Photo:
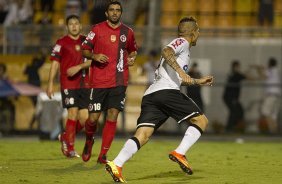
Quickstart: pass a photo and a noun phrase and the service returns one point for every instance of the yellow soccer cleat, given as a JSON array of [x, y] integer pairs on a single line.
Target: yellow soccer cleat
[[182, 162], [115, 172]]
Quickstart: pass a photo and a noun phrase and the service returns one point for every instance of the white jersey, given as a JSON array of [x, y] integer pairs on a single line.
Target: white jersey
[[272, 82], [165, 76]]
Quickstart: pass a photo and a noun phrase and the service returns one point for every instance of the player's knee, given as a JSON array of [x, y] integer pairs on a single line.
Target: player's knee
[[204, 120], [82, 120], [93, 118], [72, 116], [73, 113], [112, 114], [201, 121]]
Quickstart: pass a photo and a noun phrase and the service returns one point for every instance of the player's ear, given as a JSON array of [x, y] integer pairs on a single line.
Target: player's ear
[[106, 13]]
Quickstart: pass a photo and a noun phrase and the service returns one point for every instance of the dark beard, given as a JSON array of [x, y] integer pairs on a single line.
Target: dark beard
[[114, 22]]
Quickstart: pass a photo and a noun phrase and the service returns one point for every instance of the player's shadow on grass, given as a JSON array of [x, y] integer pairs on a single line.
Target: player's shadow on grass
[[35, 159], [78, 167], [177, 174]]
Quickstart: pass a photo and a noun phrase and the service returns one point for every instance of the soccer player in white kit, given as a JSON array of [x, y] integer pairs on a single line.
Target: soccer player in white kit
[[163, 99]]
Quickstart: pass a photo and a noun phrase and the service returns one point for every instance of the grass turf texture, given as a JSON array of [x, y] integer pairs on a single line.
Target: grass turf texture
[[32, 161]]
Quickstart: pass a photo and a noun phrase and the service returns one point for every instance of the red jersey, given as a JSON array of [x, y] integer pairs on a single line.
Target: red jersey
[[116, 44], [67, 52]]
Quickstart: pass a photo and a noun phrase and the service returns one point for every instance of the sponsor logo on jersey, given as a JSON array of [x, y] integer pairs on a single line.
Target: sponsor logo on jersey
[[57, 48], [120, 62], [113, 38], [177, 43], [122, 38], [77, 47]]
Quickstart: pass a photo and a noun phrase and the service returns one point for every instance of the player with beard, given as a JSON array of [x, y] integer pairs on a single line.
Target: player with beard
[[163, 99], [65, 54], [111, 47]]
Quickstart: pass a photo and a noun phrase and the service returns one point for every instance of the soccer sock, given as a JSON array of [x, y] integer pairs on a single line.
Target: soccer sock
[[90, 129], [70, 133], [192, 134], [108, 135], [131, 146], [78, 127]]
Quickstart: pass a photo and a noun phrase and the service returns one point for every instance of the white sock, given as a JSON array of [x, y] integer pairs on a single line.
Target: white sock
[[128, 150], [192, 134]]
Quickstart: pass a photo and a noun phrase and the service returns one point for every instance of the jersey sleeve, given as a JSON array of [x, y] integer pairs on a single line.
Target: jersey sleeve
[[90, 39], [56, 54], [132, 46], [178, 45]]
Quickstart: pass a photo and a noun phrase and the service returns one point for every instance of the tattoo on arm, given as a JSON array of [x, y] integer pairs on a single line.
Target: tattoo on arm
[[168, 55]]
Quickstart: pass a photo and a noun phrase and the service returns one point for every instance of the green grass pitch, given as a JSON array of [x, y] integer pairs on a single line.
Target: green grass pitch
[[34, 162]]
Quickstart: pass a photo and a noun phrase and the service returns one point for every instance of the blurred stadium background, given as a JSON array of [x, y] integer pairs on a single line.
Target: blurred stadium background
[[229, 30]]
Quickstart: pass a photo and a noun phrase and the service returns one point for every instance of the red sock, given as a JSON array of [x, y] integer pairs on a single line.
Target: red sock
[[78, 127], [70, 133], [90, 129], [108, 135]]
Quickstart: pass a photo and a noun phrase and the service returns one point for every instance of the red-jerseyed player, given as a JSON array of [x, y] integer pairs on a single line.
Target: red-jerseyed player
[[111, 47], [67, 53]]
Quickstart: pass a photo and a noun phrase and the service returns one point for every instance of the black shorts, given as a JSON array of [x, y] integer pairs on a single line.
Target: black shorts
[[101, 99], [75, 98], [157, 107]]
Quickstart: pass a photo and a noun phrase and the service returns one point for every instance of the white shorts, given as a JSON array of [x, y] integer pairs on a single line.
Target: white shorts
[[270, 106]]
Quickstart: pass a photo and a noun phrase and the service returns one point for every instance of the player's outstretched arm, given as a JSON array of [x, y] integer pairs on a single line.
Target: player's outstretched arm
[[206, 81]]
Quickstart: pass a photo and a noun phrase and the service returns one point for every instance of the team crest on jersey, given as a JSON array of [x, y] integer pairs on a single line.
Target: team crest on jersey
[[113, 38], [57, 48], [122, 38], [77, 47], [90, 35]]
